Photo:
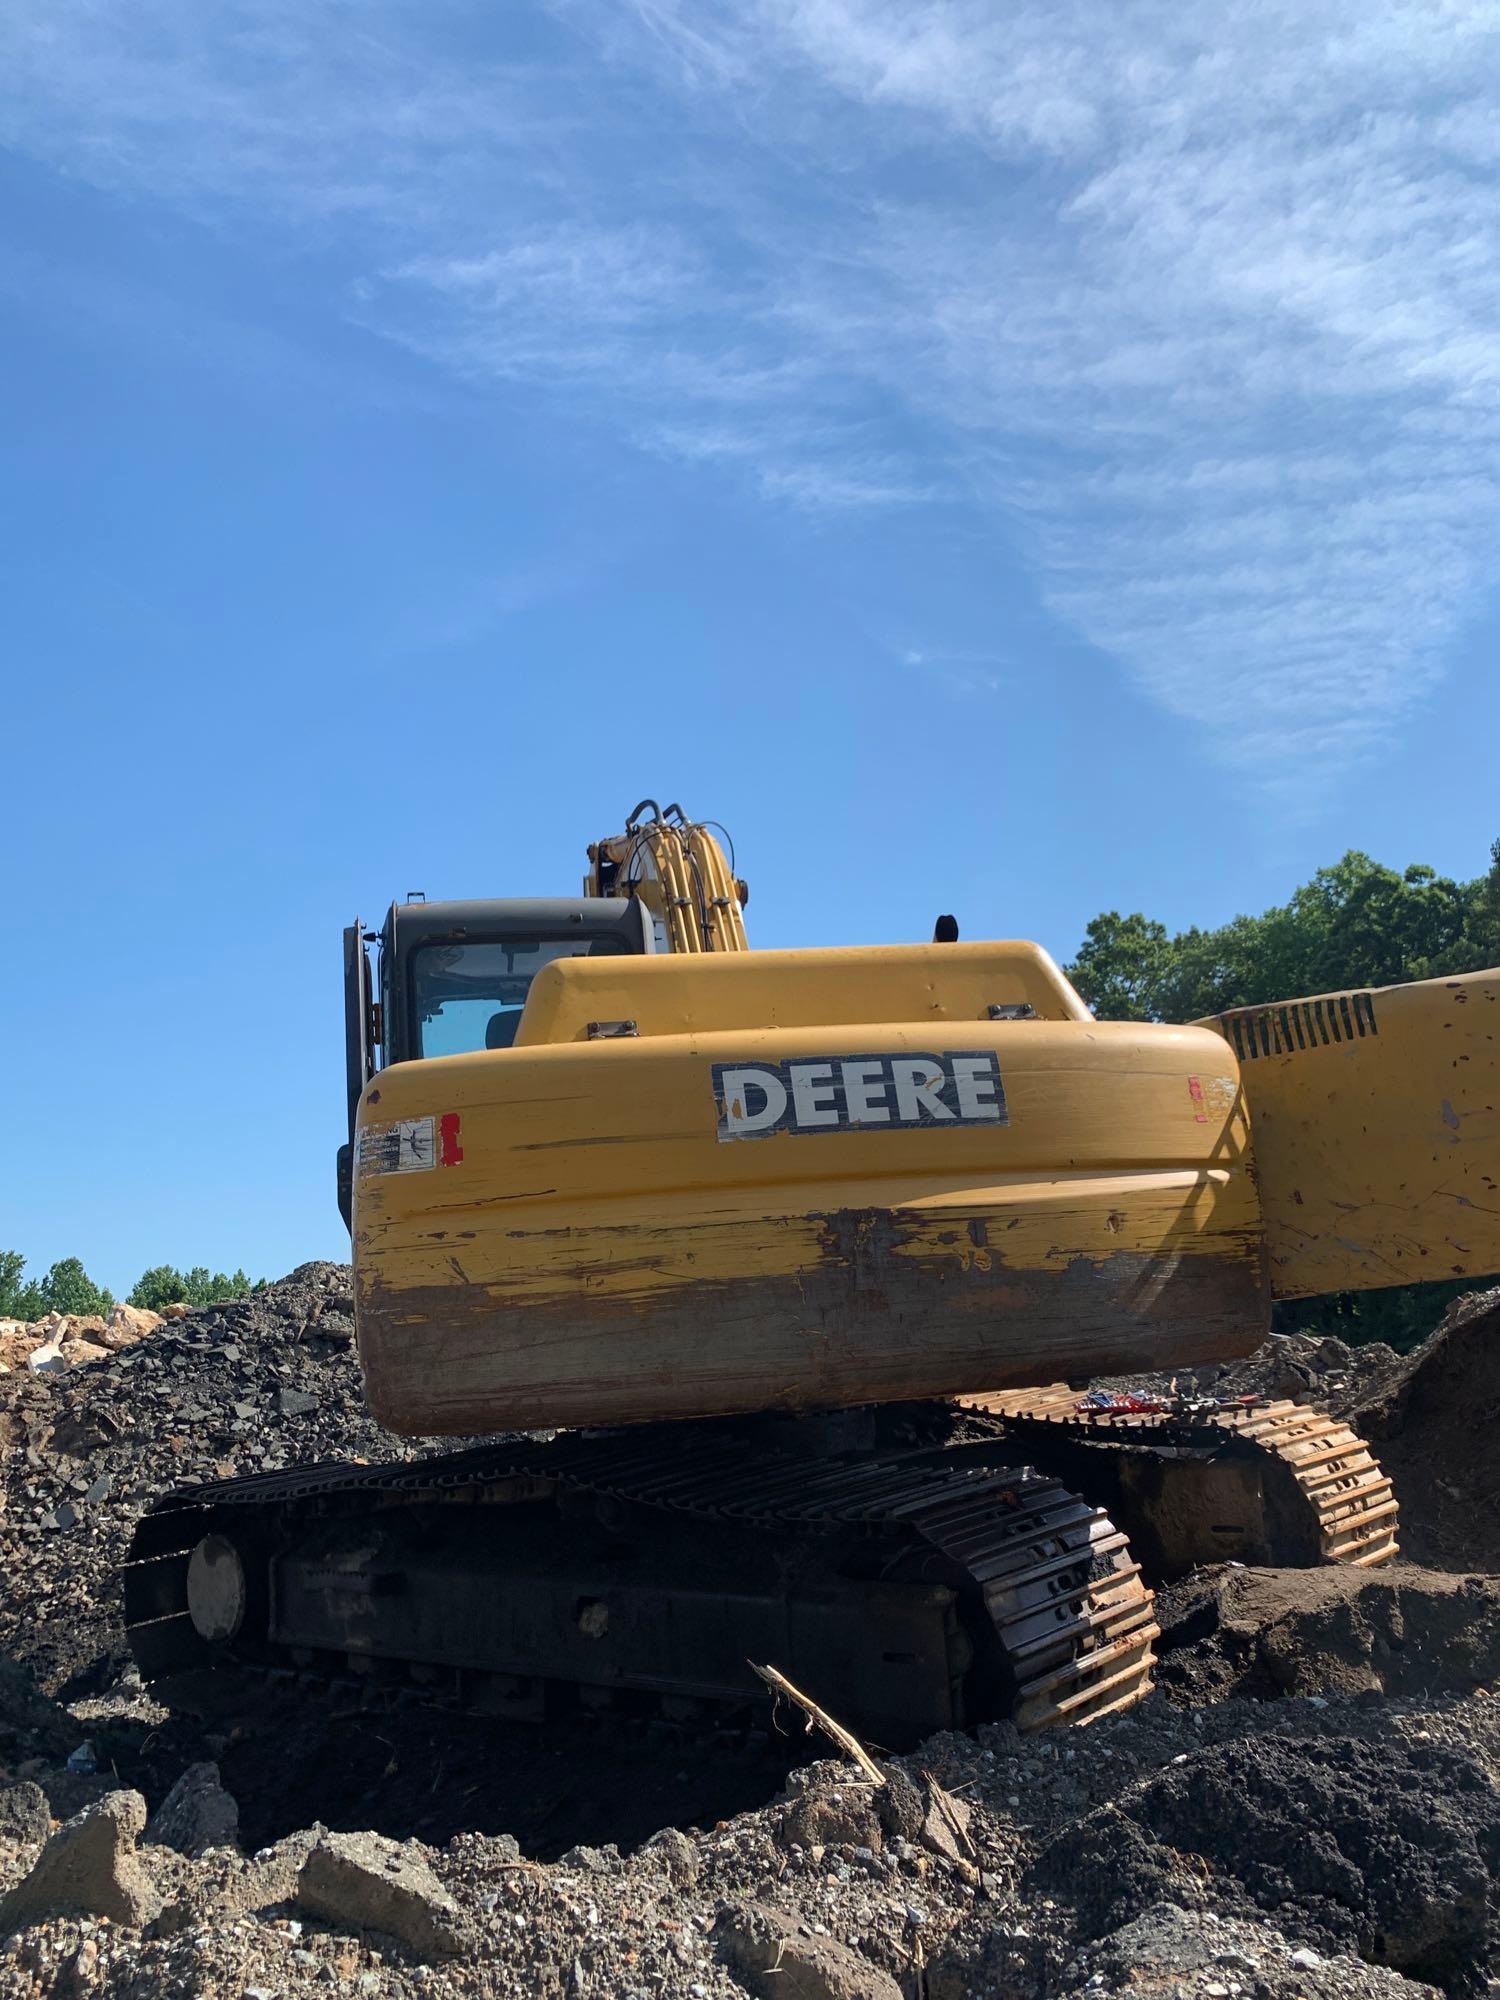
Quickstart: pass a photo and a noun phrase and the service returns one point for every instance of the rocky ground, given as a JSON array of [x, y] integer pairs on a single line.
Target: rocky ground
[[1308, 1805]]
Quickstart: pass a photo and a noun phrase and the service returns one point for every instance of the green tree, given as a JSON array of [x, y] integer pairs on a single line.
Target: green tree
[[164, 1285], [206, 1290], [1121, 966], [1354, 924], [18, 1300], [68, 1288]]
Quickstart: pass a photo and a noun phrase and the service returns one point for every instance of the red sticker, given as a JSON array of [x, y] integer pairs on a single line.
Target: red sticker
[[451, 1152], [1195, 1091]]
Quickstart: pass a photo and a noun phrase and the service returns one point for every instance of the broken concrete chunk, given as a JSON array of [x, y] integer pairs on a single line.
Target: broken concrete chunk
[[364, 1882], [25, 1816], [196, 1814], [296, 1403], [767, 1951], [79, 1353], [88, 1865], [128, 1324], [46, 1360]]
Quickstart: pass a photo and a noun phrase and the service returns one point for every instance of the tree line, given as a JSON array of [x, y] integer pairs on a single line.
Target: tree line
[[67, 1288], [1355, 924]]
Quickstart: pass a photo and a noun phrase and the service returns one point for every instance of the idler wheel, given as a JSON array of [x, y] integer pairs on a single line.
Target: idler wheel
[[216, 1589]]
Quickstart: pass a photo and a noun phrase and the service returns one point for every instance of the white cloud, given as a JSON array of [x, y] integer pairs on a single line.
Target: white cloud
[[1199, 307], [961, 673], [1235, 367]]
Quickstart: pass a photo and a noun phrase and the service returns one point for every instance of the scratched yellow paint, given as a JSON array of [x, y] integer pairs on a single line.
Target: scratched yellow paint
[[635, 1246]]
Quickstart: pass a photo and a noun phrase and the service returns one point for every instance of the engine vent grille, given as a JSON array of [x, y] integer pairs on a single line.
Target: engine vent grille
[[1299, 1024]]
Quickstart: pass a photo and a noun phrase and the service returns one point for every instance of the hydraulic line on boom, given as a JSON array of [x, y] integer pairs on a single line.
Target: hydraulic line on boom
[[678, 870]]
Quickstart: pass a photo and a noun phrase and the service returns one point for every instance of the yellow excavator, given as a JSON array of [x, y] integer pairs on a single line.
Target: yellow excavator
[[762, 1275]]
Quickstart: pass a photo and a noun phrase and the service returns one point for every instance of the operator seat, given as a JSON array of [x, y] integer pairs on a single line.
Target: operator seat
[[501, 1032]]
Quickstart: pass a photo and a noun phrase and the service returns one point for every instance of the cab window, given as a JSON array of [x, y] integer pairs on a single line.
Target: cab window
[[469, 996]]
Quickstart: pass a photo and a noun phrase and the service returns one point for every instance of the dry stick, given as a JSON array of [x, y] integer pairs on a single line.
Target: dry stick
[[949, 1817], [834, 1731]]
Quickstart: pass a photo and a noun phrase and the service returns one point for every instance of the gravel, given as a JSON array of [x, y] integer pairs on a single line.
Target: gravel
[[1308, 1807]]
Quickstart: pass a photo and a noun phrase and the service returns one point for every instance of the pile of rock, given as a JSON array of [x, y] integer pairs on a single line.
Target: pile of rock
[[1301, 1848], [60, 1341], [249, 1385]]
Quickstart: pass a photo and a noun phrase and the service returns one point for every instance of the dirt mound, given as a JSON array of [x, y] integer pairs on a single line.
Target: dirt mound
[[1258, 1846], [1434, 1425], [1383, 1849], [1167, 1951], [1264, 1633], [260, 1382]]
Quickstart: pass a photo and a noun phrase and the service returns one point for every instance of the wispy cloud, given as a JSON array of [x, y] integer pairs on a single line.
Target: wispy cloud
[[1197, 308], [960, 672]]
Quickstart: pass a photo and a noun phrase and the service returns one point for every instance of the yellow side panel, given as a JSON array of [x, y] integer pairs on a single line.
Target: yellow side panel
[[1375, 1120]]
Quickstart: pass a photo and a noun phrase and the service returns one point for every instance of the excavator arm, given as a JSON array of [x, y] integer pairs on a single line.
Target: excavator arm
[[677, 869], [1375, 1122]]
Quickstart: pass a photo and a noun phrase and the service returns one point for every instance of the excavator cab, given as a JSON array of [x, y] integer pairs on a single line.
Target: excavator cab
[[453, 979]]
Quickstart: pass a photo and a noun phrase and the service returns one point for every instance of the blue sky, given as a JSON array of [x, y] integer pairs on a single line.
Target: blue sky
[[1017, 459]]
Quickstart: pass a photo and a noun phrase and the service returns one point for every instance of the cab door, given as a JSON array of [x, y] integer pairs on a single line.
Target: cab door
[[359, 1052]]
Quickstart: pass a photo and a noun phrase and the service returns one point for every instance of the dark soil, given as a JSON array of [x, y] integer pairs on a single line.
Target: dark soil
[[1274, 1632], [1433, 1425], [291, 1757], [1385, 1850]]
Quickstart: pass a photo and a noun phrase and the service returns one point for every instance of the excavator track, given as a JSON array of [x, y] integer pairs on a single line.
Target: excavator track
[[1351, 1503], [877, 1557]]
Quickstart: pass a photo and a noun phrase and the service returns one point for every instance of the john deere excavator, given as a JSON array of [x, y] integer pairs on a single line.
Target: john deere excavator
[[762, 1274]]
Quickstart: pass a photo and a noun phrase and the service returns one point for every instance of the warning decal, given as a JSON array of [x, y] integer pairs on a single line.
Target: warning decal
[[408, 1146]]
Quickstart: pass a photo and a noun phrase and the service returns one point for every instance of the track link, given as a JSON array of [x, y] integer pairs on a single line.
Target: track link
[[1351, 1499], [1063, 1597]]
